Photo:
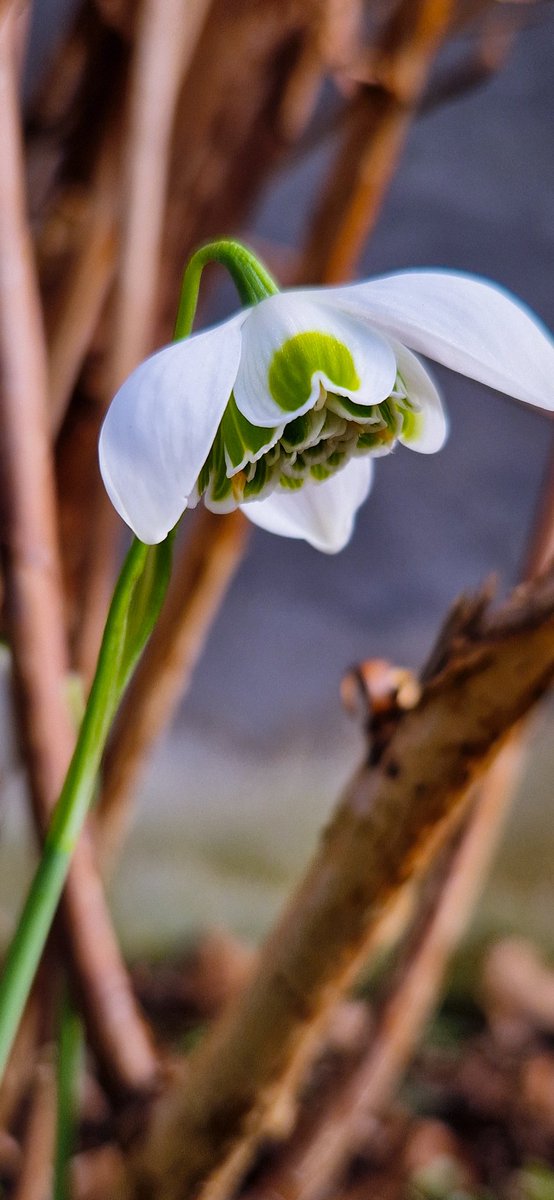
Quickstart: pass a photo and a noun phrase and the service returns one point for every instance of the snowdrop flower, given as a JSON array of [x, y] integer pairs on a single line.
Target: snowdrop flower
[[281, 409]]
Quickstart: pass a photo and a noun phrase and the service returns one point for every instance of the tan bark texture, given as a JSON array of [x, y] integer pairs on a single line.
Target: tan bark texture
[[486, 672]]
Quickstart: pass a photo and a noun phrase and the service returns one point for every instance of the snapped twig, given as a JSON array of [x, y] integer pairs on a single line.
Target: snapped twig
[[392, 818]]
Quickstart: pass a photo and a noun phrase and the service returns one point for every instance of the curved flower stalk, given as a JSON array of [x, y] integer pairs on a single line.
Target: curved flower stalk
[[281, 409]]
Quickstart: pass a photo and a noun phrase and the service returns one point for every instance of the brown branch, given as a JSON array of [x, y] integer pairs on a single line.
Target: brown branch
[[87, 284], [376, 128], [19, 1069], [391, 820], [200, 580], [493, 48], [78, 118], [35, 1177], [99, 567], [166, 38], [33, 602], [127, 1058], [28, 537], [241, 102], [38, 1138], [312, 1163], [329, 45], [99, 1174]]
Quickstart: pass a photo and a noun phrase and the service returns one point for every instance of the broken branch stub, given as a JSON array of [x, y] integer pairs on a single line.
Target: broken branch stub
[[491, 668]]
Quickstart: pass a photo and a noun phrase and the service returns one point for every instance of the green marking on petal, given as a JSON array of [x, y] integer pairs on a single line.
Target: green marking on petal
[[297, 465], [375, 441], [290, 485], [321, 472], [204, 476], [304, 430], [243, 441], [257, 483], [335, 426], [294, 364], [343, 406], [412, 425], [400, 391], [296, 432], [336, 459], [390, 415], [220, 484]]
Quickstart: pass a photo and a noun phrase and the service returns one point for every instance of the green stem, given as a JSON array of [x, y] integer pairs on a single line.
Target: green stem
[[70, 1051], [251, 279], [77, 794], [135, 605]]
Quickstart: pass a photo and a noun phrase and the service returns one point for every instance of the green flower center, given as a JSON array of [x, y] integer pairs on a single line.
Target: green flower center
[[247, 462], [293, 366]]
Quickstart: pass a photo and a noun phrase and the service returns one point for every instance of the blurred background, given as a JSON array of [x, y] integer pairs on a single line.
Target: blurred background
[[232, 795]]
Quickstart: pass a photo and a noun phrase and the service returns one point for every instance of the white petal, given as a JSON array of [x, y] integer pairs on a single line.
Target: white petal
[[161, 424], [282, 317], [321, 513], [470, 325], [424, 395]]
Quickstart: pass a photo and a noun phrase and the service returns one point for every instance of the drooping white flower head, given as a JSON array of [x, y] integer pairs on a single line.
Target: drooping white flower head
[[280, 409]]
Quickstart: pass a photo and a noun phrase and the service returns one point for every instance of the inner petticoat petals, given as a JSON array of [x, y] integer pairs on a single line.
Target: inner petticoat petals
[[250, 462]]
